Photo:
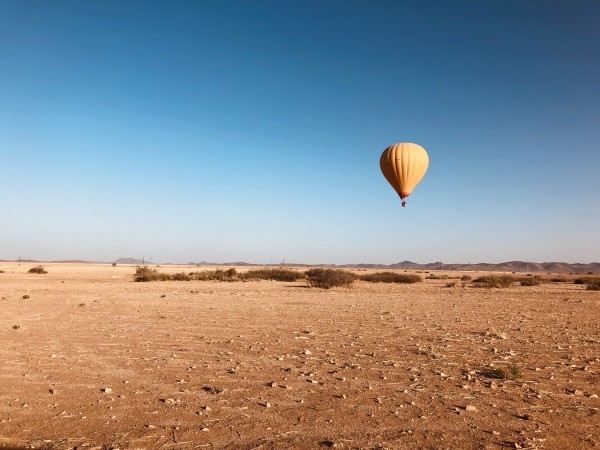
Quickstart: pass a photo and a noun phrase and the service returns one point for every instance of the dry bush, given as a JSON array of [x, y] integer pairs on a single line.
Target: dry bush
[[465, 278], [327, 278], [273, 274], [558, 280], [511, 372], [37, 269], [587, 280], [181, 276], [391, 277], [215, 275], [145, 273], [437, 277], [451, 284], [494, 281], [205, 275], [593, 286], [531, 281]]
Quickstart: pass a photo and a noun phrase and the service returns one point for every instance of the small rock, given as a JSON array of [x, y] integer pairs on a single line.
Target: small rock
[[205, 429], [470, 408], [307, 352], [576, 392], [168, 401], [106, 390], [265, 404]]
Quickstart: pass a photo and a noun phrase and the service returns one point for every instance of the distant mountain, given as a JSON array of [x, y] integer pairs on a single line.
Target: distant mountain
[[509, 266], [131, 261]]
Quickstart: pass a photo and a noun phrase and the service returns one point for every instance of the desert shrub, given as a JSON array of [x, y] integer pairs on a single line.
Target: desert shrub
[[594, 285], [215, 275], [391, 277], [1, 271], [273, 274], [37, 269], [587, 280], [558, 280], [145, 273], [494, 281], [511, 372], [25, 297], [202, 276], [451, 284], [181, 276], [227, 275], [531, 281], [465, 278], [114, 264], [437, 277], [327, 278]]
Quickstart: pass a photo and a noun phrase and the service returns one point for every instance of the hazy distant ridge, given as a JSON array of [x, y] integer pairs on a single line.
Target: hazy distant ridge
[[509, 266]]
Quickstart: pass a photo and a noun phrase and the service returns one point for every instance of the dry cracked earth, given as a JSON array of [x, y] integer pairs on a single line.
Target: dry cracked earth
[[91, 359]]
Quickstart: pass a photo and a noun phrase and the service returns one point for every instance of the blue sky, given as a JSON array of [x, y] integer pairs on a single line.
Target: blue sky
[[251, 130]]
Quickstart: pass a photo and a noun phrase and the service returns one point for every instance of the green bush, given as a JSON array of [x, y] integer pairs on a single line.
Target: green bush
[[391, 277], [37, 269], [494, 281], [273, 274], [327, 278]]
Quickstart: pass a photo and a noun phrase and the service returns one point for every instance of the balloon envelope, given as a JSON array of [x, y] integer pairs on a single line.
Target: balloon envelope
[[403, 165]]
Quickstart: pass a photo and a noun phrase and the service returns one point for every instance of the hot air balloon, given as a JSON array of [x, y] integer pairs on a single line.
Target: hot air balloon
[[403, 165]]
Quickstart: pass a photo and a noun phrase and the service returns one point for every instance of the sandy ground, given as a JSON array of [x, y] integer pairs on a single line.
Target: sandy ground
[[93, 359]]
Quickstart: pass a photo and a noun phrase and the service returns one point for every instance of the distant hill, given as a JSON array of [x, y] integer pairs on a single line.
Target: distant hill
[[131, 261], [509, 266]]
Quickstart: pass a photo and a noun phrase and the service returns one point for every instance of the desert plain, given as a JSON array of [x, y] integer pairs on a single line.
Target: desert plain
[[91, 359]]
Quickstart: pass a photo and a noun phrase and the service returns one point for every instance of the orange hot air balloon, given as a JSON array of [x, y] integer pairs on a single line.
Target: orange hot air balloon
[[403, 165]]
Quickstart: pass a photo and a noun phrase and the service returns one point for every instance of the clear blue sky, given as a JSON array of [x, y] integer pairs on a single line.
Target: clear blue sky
[[252, 130]]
